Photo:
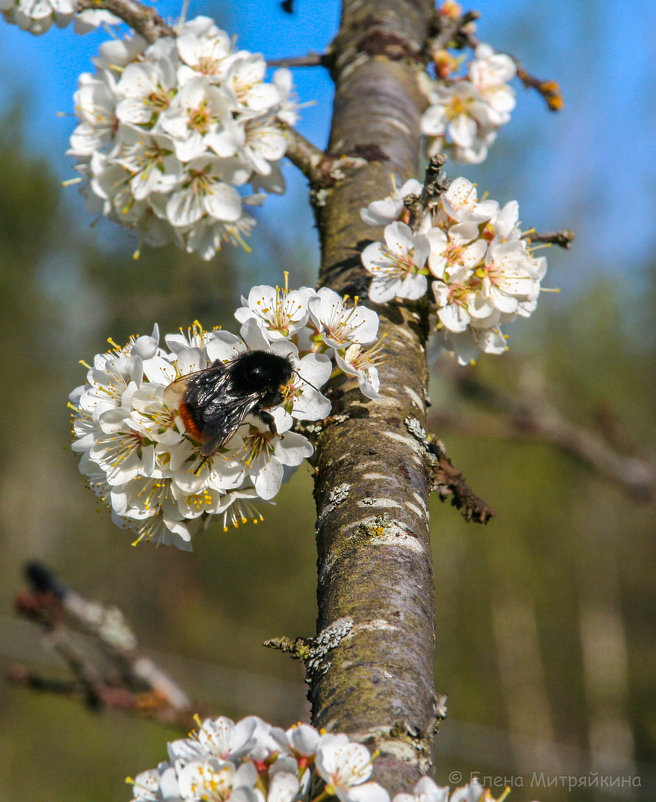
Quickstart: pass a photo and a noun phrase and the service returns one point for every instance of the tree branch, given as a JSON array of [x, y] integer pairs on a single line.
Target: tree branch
[[142, 19], [314, 163], [375, 592], [451, 30], [529, 418], [119, 677]]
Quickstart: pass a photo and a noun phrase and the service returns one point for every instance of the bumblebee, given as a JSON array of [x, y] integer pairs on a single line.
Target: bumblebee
[[214, 402]]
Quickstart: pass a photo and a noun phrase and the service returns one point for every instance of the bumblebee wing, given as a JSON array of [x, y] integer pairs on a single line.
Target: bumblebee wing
[[223, 417], [174, 394], [193, 393]]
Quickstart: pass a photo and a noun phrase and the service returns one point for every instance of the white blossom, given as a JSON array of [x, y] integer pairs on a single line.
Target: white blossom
[[139, 456], [278, 312], [223, 738], [460, 202], [155, 466], [212, 779], [426, 790], [472, 792], [264, 454], [398, 265], [382, 212], [489, 72], [345, 766], [37, 16], [170, 132], [481, 271], [361, 363], [302, 740], [341, 324], [95, 105], [203, 49], [323, 325], [466, 111], [207, 190], [458, 246], [282, 79], [506, 276], [251, 761], [146, 90], [92, 18], [157, 784]]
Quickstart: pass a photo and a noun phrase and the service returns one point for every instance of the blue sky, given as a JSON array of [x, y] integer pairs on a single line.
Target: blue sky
[[591, 167]]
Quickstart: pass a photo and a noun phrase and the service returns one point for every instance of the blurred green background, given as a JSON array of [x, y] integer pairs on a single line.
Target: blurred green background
[[545, 625]]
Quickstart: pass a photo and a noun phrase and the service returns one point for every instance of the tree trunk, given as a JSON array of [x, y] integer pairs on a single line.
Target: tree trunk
[[371, 674]]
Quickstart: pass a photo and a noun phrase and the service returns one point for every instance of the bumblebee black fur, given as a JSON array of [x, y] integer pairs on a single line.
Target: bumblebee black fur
[[214, 402]]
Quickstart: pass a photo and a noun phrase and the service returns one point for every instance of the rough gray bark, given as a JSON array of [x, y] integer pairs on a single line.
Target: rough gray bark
[[371, 670]]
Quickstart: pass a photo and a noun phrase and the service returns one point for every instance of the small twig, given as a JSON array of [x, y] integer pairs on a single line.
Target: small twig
[[452, 31], [458, 32], [142, 19], [297, 649], [447, 481], [309, 60], [434, 185], [114, 698], [88, 676], [19, 675], [550, 90], [563, 238], [636, 477]]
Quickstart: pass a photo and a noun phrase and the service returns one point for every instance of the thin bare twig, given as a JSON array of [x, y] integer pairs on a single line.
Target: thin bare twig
[[447, 481], [449, 30], [309, 60]]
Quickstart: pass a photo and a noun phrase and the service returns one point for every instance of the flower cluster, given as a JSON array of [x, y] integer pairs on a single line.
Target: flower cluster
[[151, 465], [169, 132], [251, 761], [320, 322], [38, 17], [482, 272], [466, 111]]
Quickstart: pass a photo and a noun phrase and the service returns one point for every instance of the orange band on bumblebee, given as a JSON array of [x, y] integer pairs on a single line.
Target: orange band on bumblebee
[[189, 423]]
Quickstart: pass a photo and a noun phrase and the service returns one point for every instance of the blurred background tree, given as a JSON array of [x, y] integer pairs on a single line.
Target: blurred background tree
[[545, 618]]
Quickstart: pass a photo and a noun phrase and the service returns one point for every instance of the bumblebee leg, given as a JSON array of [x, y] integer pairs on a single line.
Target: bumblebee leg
[[199, 467], [269, 420]]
